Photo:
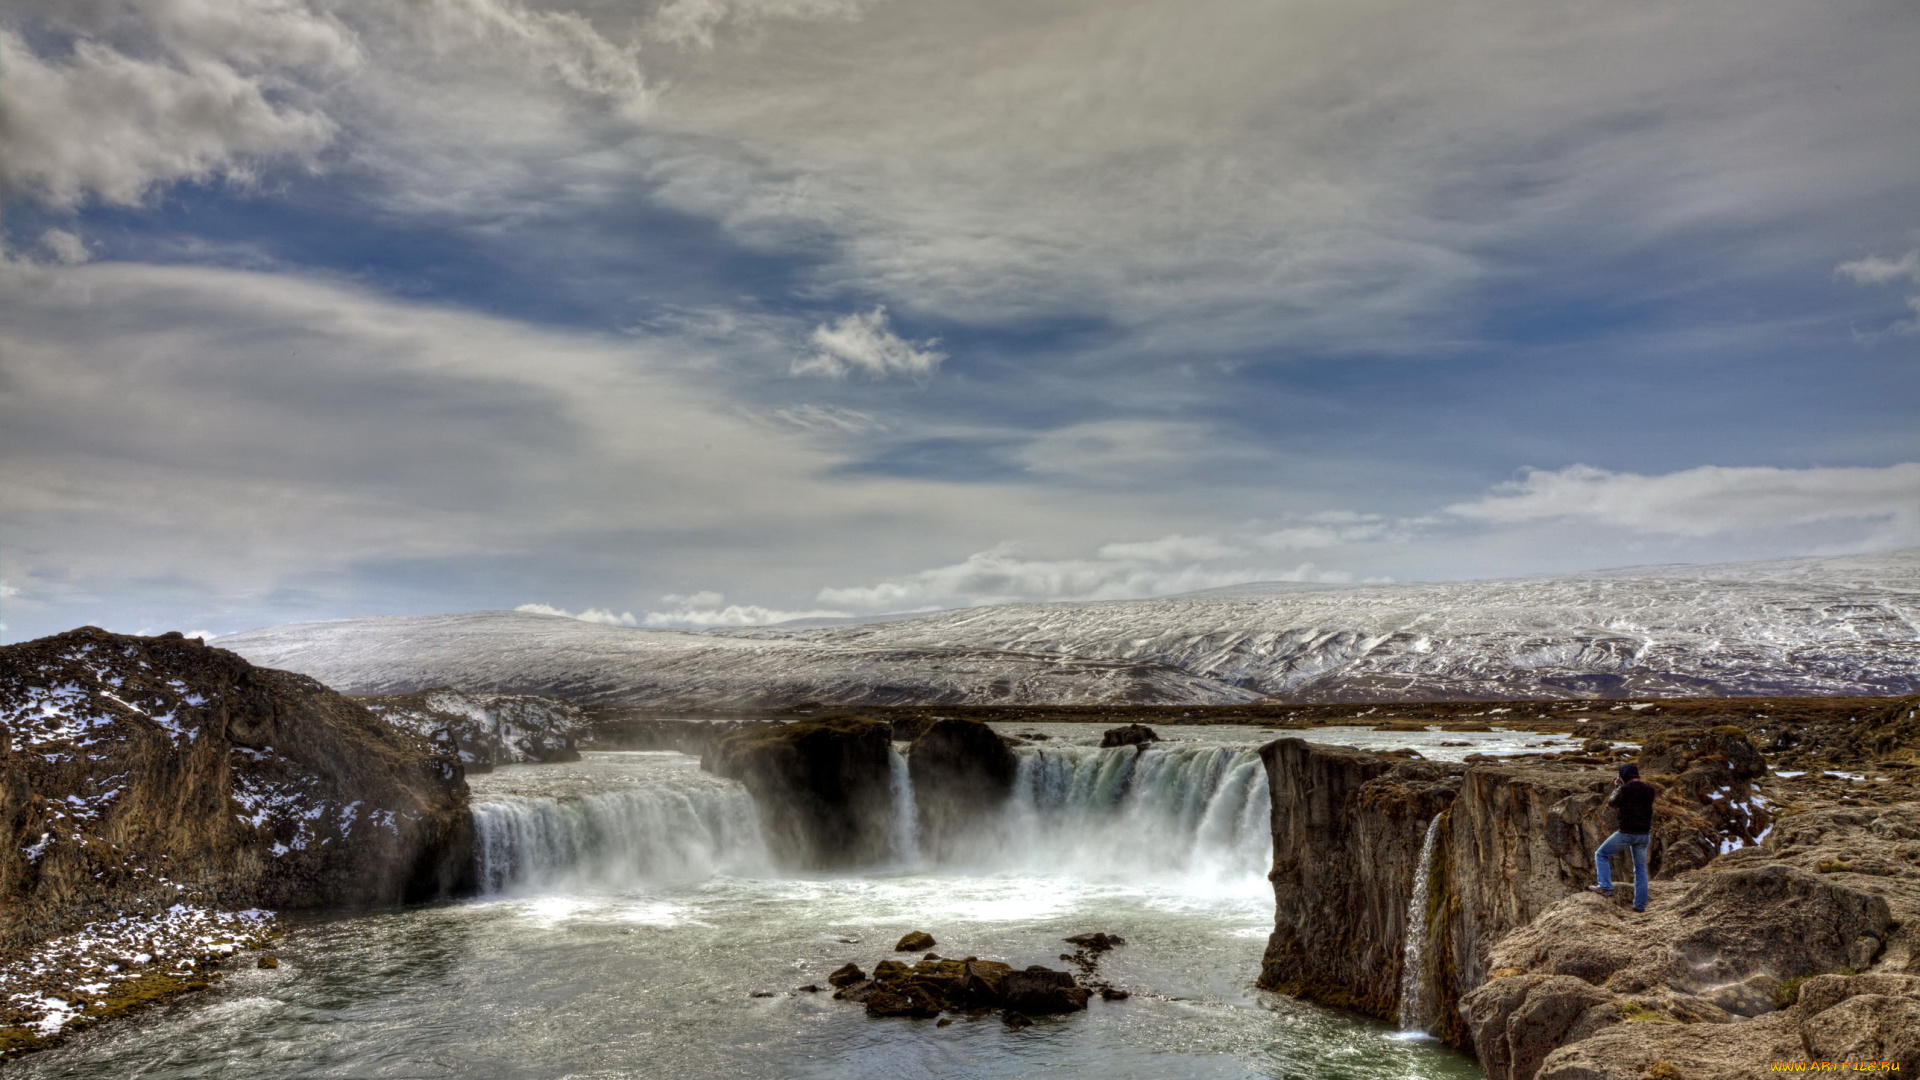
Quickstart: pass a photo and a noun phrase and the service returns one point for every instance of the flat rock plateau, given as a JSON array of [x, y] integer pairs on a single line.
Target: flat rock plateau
[[1830, 626]]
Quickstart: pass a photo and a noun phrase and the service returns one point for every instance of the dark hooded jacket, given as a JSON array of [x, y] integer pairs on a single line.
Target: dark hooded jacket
[[1634, 802]]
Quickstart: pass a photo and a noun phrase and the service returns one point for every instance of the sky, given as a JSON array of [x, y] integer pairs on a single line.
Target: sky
[[718, 312]]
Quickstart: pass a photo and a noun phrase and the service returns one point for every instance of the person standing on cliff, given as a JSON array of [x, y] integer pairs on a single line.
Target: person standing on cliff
[[1633, 802]]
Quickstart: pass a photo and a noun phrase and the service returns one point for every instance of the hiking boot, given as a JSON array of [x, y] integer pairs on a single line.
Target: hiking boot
[[1640, 909], [1598, 889]]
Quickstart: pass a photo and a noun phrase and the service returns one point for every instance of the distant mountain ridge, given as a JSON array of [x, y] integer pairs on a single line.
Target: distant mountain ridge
[[1840, 625]]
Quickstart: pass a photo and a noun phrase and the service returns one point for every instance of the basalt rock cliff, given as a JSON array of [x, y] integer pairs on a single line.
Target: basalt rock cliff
[[137, 773], [823, 787]]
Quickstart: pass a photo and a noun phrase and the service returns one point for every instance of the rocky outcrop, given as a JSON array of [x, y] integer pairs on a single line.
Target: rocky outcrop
[[1348, 827], [1516, 838], [1130, 735], [487, 729], [139, 773], [962, 772], [932, 986], [823, 787]]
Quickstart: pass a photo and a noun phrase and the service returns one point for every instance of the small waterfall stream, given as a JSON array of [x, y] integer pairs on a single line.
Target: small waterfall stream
[[1413, 958], [906, 816]]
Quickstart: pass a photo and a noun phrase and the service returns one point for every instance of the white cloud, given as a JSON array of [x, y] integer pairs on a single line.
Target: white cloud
[[708, 608], [604, 616], [1131, 452], [1711, 500], [1121, 571], [865, 343], [66, 248], [1874, 270]]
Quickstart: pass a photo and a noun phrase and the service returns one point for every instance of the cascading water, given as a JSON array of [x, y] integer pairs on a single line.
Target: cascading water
[[1187, 811], [1413, 957], [906, 816], [637, 836]]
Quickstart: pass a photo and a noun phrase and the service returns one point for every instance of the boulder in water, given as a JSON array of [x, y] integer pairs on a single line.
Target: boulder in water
[[915, 941], [846, 976], [823, 787], [1040, 990], [1096, 942], [1131, 735], [962, 772]]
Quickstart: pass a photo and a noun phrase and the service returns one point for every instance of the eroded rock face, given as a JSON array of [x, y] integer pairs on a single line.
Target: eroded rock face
[[1348, 827], [137, 773], [487, 729], [962, 773], [823, 787]]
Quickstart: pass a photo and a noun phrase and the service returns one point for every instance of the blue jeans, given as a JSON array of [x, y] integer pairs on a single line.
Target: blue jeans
[[1603, 862]]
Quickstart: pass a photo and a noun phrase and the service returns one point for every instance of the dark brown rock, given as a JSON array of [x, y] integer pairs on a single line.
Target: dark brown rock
[[1039, 991], [962, 773], [915, 941], [1130, 735], [1096, 942], [846, 975], [823, 787], [137, 773]]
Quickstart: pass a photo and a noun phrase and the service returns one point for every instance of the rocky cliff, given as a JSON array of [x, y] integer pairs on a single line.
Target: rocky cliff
[[487, 729], [823, 787], [1511, 840], [962, 773], [137, 773]]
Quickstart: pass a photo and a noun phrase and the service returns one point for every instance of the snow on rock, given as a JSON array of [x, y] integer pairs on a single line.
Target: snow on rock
[[143, 773], [487, 729], [1795, 626], [108, 966]]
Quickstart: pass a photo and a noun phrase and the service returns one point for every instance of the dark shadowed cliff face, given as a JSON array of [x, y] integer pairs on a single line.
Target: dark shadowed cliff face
[[823, 787], [1348, 827], [136, 773], [962, 774]]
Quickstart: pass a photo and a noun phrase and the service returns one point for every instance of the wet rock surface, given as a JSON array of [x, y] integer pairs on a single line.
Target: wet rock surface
[[823, 787], [971, 986], [1130, 735]]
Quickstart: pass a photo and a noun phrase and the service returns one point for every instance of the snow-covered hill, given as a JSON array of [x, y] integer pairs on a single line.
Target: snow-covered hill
[[1845, 625]]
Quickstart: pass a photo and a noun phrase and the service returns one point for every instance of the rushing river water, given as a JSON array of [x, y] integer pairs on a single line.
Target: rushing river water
[[632, 913]]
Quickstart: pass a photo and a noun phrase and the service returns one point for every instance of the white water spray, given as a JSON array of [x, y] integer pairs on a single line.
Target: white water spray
[[638, 836], [1198, 813], [1413, 958], [906, 816]]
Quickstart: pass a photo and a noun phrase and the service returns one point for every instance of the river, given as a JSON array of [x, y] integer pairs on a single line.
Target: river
[[632, 914]]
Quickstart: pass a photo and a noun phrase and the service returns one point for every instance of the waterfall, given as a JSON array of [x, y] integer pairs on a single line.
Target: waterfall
[[906, 816], [637, 836], [1413, 958], [1198, 813]]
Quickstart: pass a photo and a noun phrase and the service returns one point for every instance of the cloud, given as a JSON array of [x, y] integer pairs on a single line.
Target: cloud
[[710, 609], [1711, 500], [602, 616], [1131, 452], [65, 247], [1121, 571], [863, 342], [1874, 270]]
